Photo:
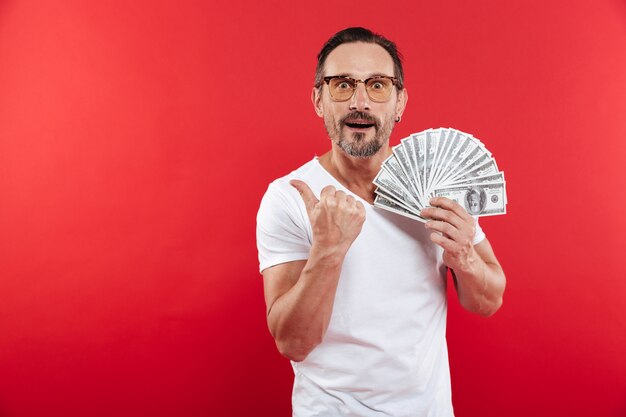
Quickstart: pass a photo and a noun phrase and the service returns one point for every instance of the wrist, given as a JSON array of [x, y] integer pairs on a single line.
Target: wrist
[[329, 254], [473, 265]]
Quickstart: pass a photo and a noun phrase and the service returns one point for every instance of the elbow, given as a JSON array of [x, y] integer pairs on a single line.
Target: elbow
[[491, 309], [481, 308], [491, 302], [296, 350], [293, 355]]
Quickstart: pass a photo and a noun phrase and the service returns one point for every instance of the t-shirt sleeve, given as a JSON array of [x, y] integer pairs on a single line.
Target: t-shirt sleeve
[[480, 235], [281, 231]]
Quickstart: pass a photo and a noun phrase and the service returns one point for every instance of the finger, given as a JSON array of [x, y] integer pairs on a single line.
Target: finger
[[444, 215], [340, 197], [328, 191], [446, 243], [348, 202], [446, 229], [360, 207], [305, 192], [360, 211], [449, 204]]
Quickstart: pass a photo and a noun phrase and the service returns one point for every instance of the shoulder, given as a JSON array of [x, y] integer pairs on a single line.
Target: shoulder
[[311, 171], [283, 228], [283, 199], [280, 189]]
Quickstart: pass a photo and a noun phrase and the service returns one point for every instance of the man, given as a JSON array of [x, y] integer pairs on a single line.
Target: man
[[475, 201], [355, 295]]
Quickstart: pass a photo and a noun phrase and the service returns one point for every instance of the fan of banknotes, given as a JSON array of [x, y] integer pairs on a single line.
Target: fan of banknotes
[[440, 162]]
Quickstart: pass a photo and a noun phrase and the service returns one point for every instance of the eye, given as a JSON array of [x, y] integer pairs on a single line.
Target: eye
[[377, 85], [343, 84]]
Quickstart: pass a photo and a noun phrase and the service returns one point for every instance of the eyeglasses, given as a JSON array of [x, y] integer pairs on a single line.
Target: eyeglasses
[[378, 88]]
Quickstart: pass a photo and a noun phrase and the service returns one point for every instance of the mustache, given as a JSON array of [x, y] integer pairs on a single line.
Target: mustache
[[360, 115]]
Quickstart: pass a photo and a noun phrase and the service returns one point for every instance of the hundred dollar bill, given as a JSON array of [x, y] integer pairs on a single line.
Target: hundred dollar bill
[[405, 167], [390, 184], [482, 180], [419, 144], [393, 166], [411, 151], [458, 141], [447, 142], [497, 177], [389, 196], [429, 160], [489, 167], [384, 203], [443, 140], [468, 151], [478, 199]]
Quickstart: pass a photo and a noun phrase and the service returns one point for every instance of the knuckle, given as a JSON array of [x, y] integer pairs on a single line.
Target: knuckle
[[444, 215], [329, 189], [431, 212], [331, 202]]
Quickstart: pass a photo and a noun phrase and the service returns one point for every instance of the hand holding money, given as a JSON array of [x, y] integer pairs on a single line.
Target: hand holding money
[[456, 232], [336, 218]]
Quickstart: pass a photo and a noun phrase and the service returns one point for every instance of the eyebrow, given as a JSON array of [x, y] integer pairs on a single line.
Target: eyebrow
[[348, 75]]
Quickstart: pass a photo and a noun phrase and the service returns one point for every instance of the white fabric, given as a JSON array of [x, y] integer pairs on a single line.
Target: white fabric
[[384, 353]]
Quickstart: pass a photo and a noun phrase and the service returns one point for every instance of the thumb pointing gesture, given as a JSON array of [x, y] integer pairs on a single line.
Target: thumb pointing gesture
[[336, 218], [305, 192]]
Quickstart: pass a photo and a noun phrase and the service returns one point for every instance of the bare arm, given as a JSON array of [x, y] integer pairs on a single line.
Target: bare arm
[[479, 279], [481, 288], [299, 295]]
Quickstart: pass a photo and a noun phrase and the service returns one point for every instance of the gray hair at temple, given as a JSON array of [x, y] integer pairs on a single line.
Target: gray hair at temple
[[359, 34]]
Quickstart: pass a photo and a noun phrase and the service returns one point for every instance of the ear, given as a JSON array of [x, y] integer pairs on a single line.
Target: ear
[[316, 98], [403, 97]]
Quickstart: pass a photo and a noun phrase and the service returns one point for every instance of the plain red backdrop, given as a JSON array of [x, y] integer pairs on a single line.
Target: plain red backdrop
[[137, 138]]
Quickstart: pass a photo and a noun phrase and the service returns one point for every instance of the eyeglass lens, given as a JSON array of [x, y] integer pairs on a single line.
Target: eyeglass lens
[[378, 88]]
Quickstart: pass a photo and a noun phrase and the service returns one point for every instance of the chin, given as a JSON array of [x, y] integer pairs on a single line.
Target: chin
[[360, 150]]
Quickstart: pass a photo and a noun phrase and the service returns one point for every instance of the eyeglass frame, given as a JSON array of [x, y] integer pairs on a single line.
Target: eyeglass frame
[[394, 82]]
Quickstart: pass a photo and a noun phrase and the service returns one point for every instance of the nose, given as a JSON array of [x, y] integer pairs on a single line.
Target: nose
[[360, 100]]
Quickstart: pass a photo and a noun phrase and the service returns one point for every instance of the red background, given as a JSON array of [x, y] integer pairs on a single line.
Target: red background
[[137, 138]]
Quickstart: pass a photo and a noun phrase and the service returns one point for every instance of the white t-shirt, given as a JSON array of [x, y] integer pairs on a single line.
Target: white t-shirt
[[384, 353]]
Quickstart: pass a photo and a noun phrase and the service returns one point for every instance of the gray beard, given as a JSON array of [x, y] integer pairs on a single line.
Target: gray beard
[[358, 147]]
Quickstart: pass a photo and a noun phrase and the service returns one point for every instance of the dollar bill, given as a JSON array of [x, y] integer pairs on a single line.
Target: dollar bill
[[441, 162], [381, 192], [385, 203], [392, 186], [409, 148], [477, 199], [405, 165]]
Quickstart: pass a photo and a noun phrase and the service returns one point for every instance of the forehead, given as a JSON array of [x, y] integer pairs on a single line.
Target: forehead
[[359, 59]]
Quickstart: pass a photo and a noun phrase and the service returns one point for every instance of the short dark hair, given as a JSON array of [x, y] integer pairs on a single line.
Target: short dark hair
[[359, 34]]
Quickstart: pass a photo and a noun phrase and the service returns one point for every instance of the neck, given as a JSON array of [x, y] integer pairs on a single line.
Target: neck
[[356, 174]]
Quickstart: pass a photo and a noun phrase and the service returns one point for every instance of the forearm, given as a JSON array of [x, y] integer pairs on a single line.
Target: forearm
[[481, 287], [298, 319]]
